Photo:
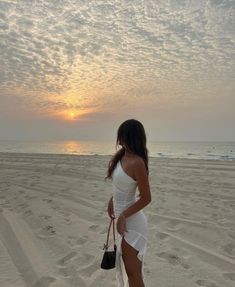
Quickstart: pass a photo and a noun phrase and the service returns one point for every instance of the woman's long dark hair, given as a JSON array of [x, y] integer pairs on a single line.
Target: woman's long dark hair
[[130, 134]]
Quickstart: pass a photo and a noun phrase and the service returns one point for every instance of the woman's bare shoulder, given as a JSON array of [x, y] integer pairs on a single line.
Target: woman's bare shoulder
[[137, 161]]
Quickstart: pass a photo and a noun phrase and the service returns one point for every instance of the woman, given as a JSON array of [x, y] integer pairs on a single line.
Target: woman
[[128, 169]]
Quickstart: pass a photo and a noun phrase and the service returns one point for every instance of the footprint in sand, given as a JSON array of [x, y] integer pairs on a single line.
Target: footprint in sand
[[47, 200], [186, 214], [147, 271], [230, 276], [205, 283], [103, 231], [21, 191], [94, 227], [7, 205], [173, 259], [64, 260], [76, 241], [150, 225], [170, 257], [46, 231], [90, 269], [44, 281], [173, 225], [45, 216], [101, 214], [162, 236], [23, 205], [81, 241], [232, 235], [32, 184], [215, 216], [86, 258], [229, 249], [64, 264], [213, 206], [183, 252], [28, 212], [67, 271], [30, 196], [68, 220]]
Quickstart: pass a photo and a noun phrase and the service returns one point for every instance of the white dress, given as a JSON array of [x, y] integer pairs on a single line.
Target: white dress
[[124, 195]]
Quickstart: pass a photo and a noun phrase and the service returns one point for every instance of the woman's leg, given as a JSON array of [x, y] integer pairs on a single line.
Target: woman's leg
[[132, 264]]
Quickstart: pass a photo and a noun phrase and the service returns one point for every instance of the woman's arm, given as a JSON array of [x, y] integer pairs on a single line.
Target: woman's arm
[[141, 177]]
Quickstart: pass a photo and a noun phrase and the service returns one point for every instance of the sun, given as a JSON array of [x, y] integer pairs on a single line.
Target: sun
[[73, 115]]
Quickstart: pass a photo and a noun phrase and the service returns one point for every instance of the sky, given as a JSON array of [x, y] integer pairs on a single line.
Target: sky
[[76, 69]]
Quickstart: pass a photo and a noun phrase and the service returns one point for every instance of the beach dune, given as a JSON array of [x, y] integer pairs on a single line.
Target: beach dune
[[53, 222]]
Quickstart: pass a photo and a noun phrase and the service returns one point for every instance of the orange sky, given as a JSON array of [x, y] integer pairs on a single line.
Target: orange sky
[[169, 64]]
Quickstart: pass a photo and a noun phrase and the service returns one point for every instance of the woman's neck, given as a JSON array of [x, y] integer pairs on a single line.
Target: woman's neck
[[128, 153]]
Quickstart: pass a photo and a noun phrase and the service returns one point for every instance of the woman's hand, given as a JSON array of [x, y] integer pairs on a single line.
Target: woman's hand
[[121, 224], [110, 208]]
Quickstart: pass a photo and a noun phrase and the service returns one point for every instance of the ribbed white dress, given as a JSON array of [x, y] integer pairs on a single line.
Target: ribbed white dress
[[124, 195]]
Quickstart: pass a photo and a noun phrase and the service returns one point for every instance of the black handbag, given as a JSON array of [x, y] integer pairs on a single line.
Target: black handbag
[[109, 257]]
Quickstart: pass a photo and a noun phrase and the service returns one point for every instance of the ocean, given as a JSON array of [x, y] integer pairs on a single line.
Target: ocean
[[191, 150]]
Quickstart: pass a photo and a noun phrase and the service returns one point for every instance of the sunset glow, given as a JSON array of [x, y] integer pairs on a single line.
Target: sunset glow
[[168, 63]]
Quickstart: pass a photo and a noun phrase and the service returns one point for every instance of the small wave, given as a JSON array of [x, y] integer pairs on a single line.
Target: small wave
[[226, 157]]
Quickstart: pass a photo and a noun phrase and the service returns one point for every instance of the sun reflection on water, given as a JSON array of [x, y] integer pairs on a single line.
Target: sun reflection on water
[[72, 147]]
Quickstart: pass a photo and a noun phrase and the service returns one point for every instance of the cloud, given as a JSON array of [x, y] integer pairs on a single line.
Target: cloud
[[109, 53]]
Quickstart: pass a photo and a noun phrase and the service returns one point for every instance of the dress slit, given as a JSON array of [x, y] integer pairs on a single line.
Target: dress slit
[[121, 274]]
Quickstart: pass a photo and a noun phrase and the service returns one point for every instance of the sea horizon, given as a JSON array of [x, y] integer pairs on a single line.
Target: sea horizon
[[210, 150]]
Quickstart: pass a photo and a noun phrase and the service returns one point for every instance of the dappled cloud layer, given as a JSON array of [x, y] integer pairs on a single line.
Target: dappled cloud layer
[[92, 56]]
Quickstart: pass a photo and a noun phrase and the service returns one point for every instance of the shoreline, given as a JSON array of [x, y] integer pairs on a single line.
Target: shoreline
[[109, 156]]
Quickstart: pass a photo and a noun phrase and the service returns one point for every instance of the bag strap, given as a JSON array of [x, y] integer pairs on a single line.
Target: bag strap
[[114, 239], [107, 240]]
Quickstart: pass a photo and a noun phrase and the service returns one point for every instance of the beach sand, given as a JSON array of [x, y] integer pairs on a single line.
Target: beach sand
[[53, 222]]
